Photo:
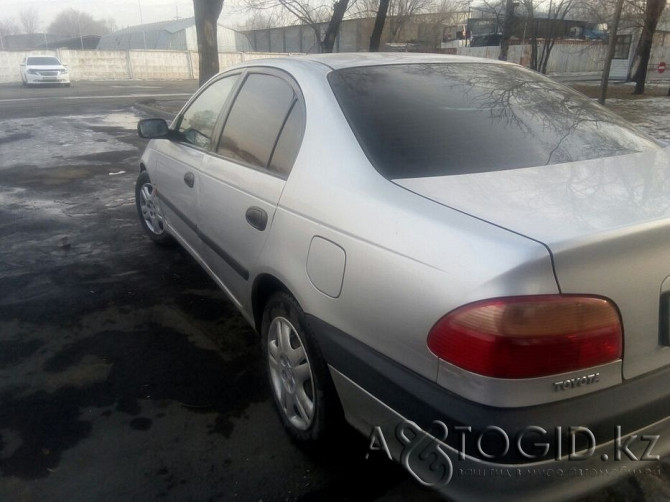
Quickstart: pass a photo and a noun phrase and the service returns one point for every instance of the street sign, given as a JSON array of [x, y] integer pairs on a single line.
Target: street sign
[[661, 67]]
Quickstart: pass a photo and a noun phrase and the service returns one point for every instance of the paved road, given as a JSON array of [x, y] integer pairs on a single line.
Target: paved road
[[124, 372], [15, 100]]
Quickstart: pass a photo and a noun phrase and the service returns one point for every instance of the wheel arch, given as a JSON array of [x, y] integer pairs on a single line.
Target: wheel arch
[[265, 285]]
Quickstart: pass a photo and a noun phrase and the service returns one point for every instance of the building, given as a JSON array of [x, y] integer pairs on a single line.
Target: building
[[419, 32], [176, 35], [28, 41]]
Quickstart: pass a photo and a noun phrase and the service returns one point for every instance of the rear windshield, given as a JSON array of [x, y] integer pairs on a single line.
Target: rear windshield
[[43, 61], [421, 120]]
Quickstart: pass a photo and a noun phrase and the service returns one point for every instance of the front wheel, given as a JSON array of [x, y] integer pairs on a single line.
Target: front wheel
[[149, 210], [301, 387]]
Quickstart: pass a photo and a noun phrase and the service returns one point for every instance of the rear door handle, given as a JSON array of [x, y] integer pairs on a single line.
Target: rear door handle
[[189, 179], [257, 218]]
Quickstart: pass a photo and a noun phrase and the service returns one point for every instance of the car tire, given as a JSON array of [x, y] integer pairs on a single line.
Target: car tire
[[149, 211], [302, 390]]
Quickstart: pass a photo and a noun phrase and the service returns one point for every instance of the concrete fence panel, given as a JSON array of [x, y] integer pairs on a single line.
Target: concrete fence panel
[[160, 65], [568, 58], [10, 61], [564, 58], [96, 65], [125, 65]]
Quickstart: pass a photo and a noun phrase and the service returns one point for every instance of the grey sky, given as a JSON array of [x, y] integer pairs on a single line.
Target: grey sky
[[124, 12]]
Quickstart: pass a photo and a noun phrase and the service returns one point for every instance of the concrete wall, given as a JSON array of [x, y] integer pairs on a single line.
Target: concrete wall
[[182, 65], [123, 65], [564, 58]]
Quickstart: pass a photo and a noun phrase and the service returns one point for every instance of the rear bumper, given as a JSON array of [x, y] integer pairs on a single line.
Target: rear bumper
[[553, 451]]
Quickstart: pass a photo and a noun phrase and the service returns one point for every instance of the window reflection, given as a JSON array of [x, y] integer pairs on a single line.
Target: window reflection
[[197, 123], [256, 119], [438, 119]]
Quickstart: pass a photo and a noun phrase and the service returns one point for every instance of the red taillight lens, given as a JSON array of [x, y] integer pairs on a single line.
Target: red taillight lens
[[529, 336]]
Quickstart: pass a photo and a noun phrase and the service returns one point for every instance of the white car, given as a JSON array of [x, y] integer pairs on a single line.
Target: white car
[[44, 70]]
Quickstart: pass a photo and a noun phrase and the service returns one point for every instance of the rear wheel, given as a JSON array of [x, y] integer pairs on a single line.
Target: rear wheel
[[149, 210], [301, 387]]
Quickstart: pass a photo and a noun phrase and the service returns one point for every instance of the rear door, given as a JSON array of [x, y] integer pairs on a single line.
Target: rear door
[[243, 181]]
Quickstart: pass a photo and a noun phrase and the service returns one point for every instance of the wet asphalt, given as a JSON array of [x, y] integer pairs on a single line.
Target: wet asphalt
[[125, 373]]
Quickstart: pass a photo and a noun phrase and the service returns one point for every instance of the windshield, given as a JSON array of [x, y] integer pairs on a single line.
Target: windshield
[[422, 120], [43, 61]]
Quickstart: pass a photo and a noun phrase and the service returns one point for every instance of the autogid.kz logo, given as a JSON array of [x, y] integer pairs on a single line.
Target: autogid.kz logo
[[430, 462]]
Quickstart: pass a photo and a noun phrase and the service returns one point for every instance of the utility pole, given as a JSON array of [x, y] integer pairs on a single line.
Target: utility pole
[[144, 34]]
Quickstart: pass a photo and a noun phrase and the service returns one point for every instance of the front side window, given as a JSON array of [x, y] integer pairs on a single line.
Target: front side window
[[422, 120], [256, 120], [197, 124]]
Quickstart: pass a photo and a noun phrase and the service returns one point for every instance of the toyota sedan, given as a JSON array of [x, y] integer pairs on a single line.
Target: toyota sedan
[[467, 261]]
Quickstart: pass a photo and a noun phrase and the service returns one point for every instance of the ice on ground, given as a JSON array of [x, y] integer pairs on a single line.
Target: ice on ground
[[57, 141], [652, 115]]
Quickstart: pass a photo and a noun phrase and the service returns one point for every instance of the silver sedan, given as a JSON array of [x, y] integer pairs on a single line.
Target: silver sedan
[[465, 260]]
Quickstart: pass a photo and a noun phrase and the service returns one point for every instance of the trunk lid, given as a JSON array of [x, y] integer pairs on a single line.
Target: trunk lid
[[606, 223]]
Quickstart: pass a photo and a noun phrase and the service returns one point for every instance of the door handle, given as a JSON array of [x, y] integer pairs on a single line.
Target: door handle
[[189, 179], [257, 218]]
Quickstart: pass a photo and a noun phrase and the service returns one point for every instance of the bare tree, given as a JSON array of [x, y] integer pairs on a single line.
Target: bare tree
[[265, 19], [508, 25], [380, 20], [402, 12], [526, 21], [7, 27], [74, 23], [558, 10], [30, 19], [610, 52], [207, 14], [339, 9], [312, 15], [110, 25], [652, 13]]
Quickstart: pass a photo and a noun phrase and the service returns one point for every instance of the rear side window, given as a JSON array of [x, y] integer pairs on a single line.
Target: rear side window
[[424, 120], [198, 121], [264, 126], [288, 142]]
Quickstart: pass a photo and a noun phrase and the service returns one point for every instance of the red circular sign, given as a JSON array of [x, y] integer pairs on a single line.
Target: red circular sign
[[661, 67]]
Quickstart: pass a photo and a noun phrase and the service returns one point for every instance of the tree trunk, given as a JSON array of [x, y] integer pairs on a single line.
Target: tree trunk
[[533, 42], [207, 14], [376, 36], [610, 53], [508, 24], [652, 13], [339, 9]]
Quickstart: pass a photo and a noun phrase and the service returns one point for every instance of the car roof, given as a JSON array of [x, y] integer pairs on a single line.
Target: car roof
[[340, 60]]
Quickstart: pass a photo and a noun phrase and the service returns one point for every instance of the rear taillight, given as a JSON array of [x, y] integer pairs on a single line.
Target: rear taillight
[[529, 336]]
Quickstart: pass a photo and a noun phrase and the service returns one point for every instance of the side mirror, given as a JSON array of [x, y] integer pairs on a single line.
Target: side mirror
[[153, 128]]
